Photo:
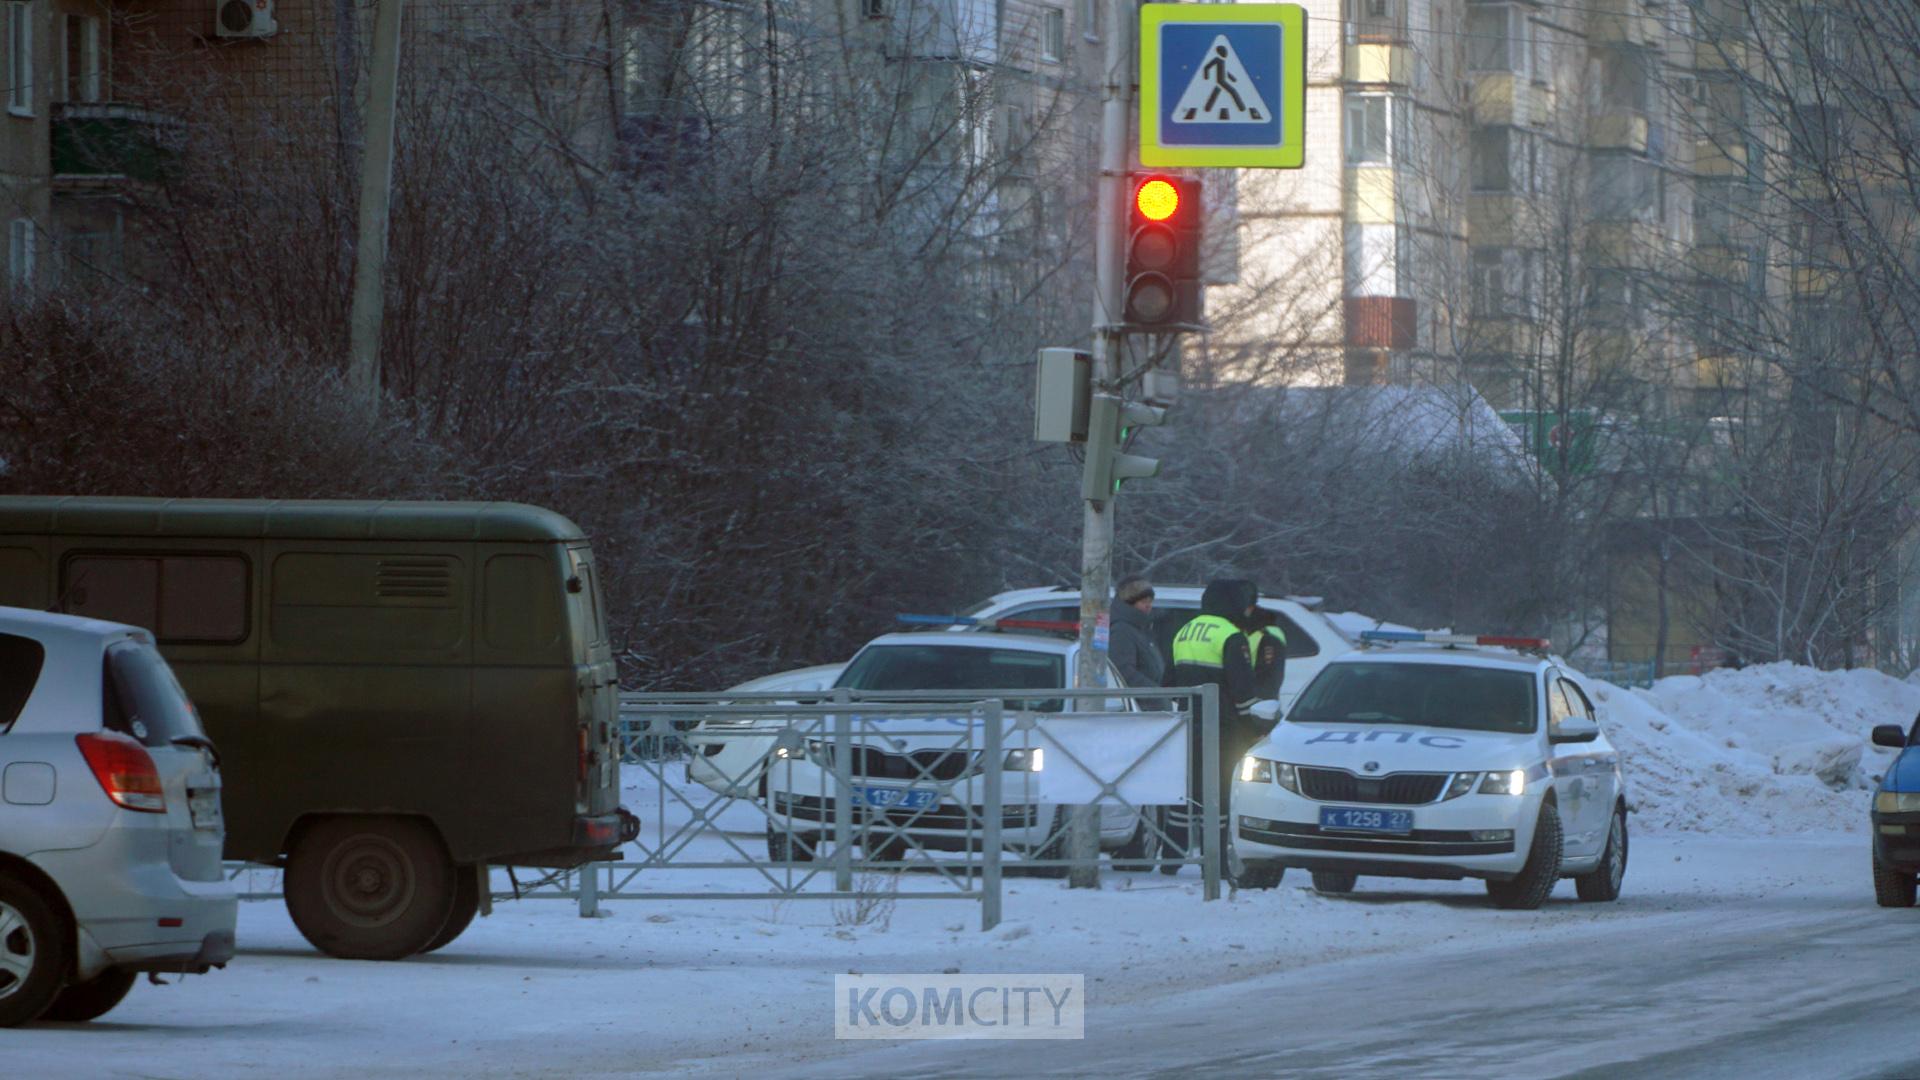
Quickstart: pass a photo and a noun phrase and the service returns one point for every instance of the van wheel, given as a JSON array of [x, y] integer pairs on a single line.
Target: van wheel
[[368, 888], [1602, 883], [1528, 890], [33, 952], [466, 904], [1334, 882], [83, 1001]]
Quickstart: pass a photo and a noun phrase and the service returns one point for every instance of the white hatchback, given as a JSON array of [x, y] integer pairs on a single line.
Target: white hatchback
[[1437, 756]]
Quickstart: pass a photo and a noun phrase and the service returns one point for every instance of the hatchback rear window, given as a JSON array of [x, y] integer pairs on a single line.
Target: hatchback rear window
[[144, 700], [20, 661]]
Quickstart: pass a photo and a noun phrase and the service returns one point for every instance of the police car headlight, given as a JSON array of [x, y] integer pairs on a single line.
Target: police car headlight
[[1255, 770], [1025, 760], [1462, 784], [1505, 782], [1897, 802], [1286, 776]]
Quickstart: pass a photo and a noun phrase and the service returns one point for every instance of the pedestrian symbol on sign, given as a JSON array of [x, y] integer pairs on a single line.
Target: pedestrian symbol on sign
[[1221, 92]]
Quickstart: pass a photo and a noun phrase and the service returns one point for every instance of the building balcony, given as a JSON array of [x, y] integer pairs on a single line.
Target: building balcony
[[1622, 21], [1379, 62], [1620, 129], [1724, 54], [1370, 195], [1382, 322], [95, 142], [1503, 219], [1719, 157]]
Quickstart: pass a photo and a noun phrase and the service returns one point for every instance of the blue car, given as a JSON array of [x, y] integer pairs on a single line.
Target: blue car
[[1896, 819]]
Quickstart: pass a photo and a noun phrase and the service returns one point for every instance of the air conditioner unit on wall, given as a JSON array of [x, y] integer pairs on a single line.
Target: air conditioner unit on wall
[[244, 19]]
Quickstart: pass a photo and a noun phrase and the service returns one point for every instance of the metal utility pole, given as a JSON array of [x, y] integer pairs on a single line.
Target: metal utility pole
[[1109, 253], [376, 196]]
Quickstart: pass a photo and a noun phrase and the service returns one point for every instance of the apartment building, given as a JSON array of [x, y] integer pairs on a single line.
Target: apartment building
[[1481, 177], [62, 220]]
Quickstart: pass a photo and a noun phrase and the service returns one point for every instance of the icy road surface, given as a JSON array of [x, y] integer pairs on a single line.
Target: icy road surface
[[1756, 957]]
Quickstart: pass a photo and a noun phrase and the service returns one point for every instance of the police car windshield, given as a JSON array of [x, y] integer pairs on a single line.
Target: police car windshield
[[1423, 695], [953, 667]]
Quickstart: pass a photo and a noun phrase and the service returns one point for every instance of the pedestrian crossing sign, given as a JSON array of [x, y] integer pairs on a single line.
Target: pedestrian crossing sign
[[1223, 85]]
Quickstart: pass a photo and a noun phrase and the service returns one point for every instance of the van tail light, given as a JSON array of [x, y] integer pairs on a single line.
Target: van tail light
[[125, 770]]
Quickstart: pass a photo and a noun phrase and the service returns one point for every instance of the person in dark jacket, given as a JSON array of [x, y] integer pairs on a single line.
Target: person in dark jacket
[[1268, 644], [1130, 635], [1213, 649]]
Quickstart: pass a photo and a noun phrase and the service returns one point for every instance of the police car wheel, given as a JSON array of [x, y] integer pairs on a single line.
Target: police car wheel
[[1334, 882], [1531, 887], [1143, 845], [1602, 883], [1891, 888], [783, 846], [1260, 874], [1054, 848]]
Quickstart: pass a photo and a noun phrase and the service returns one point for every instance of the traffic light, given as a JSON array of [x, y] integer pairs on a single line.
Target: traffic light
[[1163, 290], [1108, 421]]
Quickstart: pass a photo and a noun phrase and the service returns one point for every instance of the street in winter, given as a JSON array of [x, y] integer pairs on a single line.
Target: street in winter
[[822, 538]]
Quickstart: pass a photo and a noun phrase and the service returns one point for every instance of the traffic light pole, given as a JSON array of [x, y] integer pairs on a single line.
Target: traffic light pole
[[1109, 253]]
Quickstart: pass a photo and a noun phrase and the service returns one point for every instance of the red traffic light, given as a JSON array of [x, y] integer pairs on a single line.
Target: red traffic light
[[1157, 199]]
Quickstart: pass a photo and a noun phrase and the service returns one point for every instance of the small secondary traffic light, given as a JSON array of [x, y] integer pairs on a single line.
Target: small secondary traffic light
[[1108, 422], [1163, 290]]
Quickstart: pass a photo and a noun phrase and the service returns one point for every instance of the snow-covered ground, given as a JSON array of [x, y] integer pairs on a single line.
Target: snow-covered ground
[[1735, 821], [1777, 748]]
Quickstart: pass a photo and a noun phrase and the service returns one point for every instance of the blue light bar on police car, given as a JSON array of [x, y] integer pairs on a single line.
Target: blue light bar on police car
[[936, 620], [1436, 638]]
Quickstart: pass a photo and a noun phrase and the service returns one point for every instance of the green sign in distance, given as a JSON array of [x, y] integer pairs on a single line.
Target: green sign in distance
[[1223, 85]]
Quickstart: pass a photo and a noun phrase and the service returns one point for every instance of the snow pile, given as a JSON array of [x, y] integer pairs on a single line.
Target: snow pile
[[1777, 748]]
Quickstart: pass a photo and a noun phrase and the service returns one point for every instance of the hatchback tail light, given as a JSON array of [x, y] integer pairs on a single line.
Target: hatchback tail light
[[125, 770]]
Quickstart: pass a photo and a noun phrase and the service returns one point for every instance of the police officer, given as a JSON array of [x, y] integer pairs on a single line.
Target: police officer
[[1213, 649], [1268, 645]]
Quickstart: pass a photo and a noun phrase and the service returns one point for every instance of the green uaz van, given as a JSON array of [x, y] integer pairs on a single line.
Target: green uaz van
[[401, 692]]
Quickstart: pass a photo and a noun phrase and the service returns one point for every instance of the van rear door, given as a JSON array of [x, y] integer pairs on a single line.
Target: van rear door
[[598, 680]]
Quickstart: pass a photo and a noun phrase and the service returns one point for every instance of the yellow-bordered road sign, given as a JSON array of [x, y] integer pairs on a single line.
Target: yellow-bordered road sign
[[1223, 85]]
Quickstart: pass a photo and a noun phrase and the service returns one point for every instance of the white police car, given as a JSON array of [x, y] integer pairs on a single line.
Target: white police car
[[1437, 756]]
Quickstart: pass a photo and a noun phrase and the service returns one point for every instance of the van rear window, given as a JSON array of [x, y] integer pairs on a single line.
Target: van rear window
[[144, 700], [20, 661]]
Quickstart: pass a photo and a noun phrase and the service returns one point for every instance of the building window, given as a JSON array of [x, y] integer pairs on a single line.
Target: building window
[[1090, 19], [87, 255], [1369, 135], [874, 9], [19, 69], [1490, 40], [82, 59], [1053, 34], [20, 252], [1490, 283], [1540, 56], [1492, 159]]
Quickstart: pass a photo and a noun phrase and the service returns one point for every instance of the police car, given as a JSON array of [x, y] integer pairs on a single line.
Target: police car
[[1438, 756], [1896, 819], [923, 789], [1312, 638]]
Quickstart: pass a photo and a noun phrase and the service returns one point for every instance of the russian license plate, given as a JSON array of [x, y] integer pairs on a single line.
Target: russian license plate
[[1360, 819], [204, 803], [893, 798]]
